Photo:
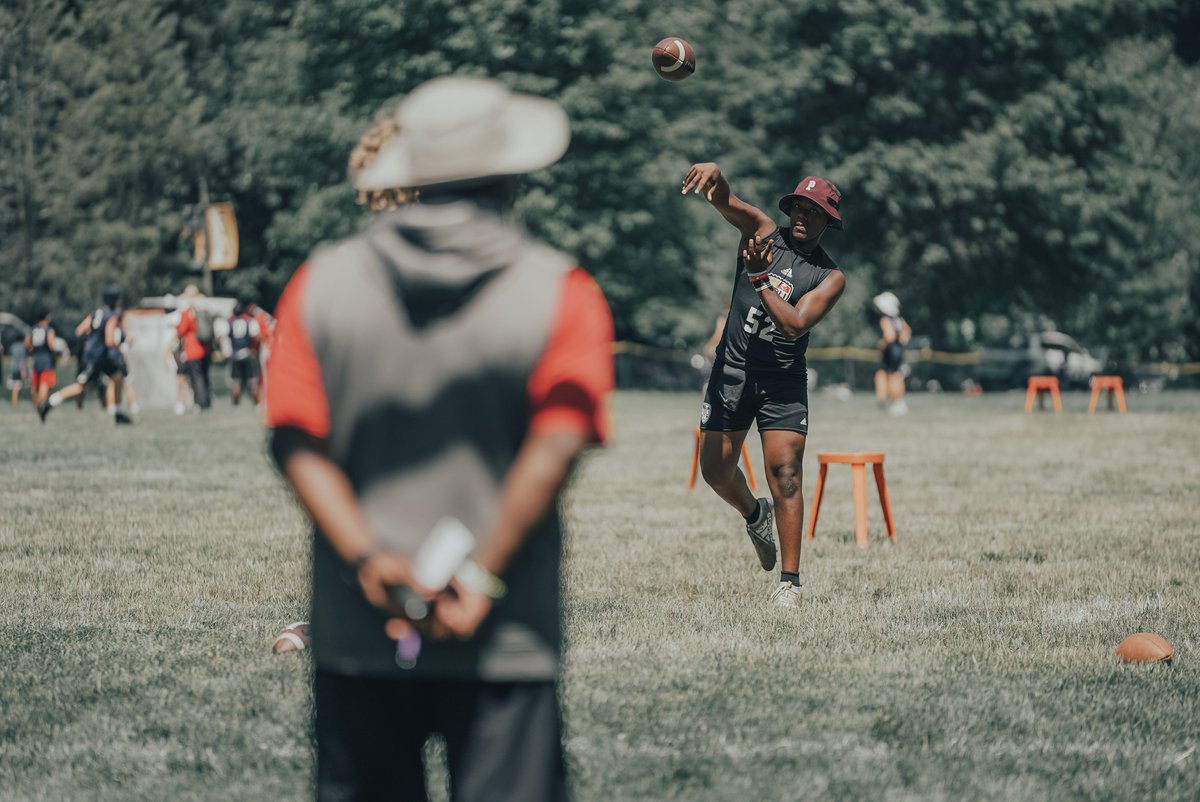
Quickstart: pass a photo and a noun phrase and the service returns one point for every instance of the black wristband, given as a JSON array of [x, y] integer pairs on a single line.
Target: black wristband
[[352, 567]]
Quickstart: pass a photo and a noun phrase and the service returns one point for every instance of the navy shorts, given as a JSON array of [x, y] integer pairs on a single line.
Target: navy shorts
[[734, 398], [244, 370], [893, 357]]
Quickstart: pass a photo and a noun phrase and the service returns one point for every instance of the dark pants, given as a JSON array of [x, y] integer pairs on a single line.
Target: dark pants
[[503, 739], [196, 371]]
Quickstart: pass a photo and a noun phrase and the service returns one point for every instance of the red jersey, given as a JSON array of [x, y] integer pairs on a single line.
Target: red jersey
[[193, 349]]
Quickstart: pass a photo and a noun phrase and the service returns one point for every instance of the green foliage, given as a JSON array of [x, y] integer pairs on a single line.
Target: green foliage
[[1021, 160], [31, 93]]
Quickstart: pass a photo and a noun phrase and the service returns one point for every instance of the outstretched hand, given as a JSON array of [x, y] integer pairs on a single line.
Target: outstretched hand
[[757, 257], [703, 177]]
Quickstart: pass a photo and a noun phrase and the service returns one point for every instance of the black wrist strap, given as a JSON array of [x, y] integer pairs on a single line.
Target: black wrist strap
[[351, 568]]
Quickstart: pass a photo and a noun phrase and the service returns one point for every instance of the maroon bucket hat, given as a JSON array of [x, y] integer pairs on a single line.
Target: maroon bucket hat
[[819, 191]]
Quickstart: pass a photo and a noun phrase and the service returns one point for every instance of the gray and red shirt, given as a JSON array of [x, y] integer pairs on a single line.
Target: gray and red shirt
[[421, 355]]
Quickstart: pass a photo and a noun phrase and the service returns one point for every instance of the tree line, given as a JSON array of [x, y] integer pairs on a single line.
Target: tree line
[[1005, 166]]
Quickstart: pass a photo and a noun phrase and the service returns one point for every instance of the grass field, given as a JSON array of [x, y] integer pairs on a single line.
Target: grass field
[[146, 570]]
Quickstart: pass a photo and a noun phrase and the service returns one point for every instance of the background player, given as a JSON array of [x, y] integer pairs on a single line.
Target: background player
[[240, 344], [42, 345], [895, 334], [122, 341], [196, 332], [18, 353], [101, 357], [784, 285]]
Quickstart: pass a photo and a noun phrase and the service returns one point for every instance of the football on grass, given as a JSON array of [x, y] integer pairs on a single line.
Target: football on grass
[[293, 638], [674, 59], [1145, 647]]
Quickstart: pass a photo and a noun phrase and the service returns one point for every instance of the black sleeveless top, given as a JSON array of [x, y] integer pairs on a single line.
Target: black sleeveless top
[[39, 338], [751, 341], [241, 339], [94, 346]]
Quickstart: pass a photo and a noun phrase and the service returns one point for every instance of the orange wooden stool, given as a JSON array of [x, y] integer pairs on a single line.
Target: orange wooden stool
[[1114, 384], [1039, 385], [696, 465], [858, 473]]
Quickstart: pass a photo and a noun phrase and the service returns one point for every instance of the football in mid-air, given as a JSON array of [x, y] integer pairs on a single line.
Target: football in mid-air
[[1145, 647], [674, 59], [293, 638]]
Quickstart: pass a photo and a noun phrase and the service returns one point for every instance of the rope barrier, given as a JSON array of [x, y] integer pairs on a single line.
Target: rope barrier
[[860, 354]]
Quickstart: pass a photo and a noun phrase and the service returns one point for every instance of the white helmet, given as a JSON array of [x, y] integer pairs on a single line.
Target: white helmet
[[887, 303]]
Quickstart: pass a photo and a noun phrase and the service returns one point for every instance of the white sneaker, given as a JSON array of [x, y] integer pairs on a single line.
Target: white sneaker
[[762, 535], [898, 408], [786, 595], [180, 408]]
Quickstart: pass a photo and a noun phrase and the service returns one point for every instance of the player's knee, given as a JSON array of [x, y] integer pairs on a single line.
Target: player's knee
[[788, 476]]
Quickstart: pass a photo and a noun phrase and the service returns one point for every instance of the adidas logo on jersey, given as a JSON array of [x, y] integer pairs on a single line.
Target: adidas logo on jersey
[[787, 271]]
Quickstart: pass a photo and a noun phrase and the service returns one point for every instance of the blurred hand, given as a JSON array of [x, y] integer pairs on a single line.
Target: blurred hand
[[461, 610], [379, 573], [703, 177], [457, 612]]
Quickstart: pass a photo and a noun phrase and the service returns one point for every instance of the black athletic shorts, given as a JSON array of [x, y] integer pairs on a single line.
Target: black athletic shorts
[[244, 371], [735, 398], [893, 357], [503, 739], [108, 363]]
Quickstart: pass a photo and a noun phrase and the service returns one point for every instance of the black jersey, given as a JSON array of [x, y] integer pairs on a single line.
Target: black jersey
[[751, 340], [242, 334], [39, 338], [94, 346]]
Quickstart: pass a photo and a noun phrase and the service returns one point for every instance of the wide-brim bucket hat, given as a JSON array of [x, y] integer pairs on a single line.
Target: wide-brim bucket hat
[[820, 191], [457, 129]]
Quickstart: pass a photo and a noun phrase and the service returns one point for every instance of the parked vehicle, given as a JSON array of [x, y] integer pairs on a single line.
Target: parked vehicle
[[1050, 353], [12, 328]]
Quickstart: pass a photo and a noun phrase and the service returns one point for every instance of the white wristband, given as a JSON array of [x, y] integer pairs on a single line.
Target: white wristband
[[475, 577]]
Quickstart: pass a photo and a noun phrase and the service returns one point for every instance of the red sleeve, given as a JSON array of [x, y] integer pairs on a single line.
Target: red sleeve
[[570, 387], [187, 323], [297, 395]]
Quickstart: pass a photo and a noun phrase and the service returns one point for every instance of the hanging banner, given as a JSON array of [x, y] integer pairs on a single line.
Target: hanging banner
[[221, 234]]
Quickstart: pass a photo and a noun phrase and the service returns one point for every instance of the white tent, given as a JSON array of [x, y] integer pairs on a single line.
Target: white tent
[[151, 335]]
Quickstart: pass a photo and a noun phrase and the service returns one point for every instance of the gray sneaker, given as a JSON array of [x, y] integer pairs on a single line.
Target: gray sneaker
[[786, 595], [762, 535]]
